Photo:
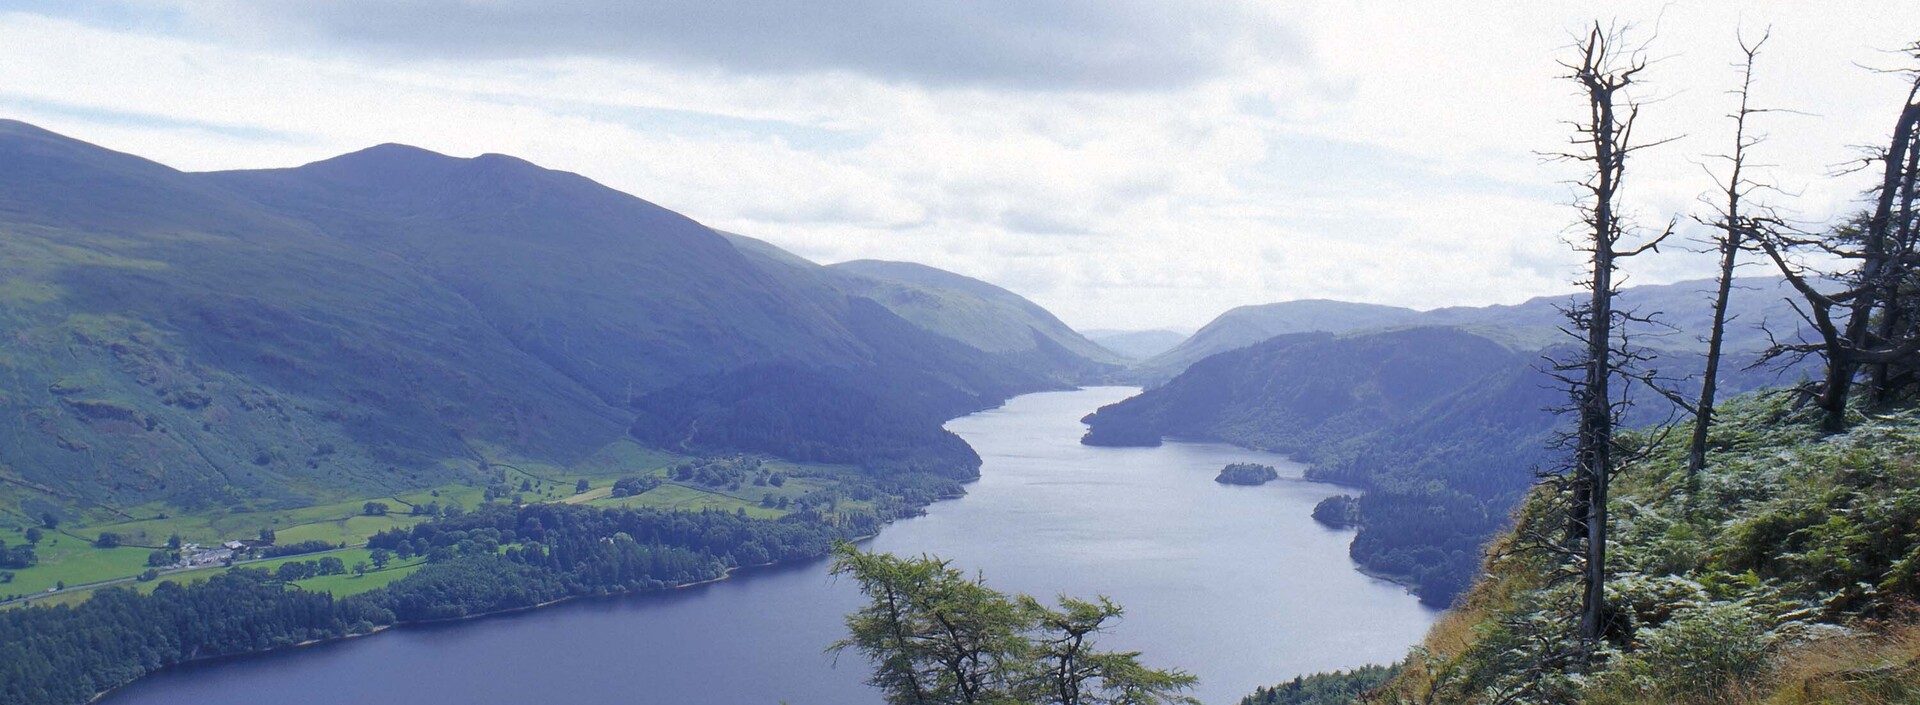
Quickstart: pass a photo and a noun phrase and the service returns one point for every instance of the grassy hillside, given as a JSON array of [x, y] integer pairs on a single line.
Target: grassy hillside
[[1017, 333], [1787, 577], [979, 314], [395, 321], [619, 294], [168, 340]]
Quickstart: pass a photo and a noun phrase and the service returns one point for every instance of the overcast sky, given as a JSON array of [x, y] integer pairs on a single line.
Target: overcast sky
[[1125, 163]]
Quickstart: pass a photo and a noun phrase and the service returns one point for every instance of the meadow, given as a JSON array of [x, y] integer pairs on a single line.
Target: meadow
[[71, 567]]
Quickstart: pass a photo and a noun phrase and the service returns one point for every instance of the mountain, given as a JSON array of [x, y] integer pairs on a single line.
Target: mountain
[[169, 339], [981, 315], [1295, 392], [985, 317], [388, 318], [1442, 427], [1247, 325], [1680, 308], [1137, 344]]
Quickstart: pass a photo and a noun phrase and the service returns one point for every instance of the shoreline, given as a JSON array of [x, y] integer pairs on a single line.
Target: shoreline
[[725, 575], [1405, 583]]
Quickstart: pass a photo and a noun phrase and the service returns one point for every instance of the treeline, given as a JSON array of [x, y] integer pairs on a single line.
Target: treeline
[[296, 548], [21, 556], [492, 559], [69, 654], [1337, 688], [566, 538], [1247, 474]]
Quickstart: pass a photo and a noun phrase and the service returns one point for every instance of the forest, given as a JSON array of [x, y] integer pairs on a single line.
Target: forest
[[1246, 474], [492, 559]]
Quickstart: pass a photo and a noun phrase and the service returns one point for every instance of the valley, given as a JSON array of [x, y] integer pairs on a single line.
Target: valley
[[780, 393], [1133, 352], [1148, 527]]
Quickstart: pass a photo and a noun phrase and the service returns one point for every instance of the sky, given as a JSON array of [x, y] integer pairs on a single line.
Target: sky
[[1128, 164]]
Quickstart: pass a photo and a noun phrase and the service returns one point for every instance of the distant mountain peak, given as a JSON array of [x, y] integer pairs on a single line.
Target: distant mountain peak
[[390, 157]]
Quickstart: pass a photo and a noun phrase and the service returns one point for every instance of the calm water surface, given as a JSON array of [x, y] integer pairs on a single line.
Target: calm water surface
[[1236, 584]]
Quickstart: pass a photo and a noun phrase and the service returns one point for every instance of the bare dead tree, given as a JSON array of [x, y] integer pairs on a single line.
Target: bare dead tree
[[1730, 234], [1602, 143], [1897, 319], [1868, 326]]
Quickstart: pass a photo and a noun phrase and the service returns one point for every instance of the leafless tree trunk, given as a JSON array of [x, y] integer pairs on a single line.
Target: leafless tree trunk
[[1602, 142], [1877, 334], [1730, 230], [1895, 208]]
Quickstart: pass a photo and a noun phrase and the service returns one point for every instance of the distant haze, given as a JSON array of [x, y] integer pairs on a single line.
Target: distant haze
[[1127, 165]]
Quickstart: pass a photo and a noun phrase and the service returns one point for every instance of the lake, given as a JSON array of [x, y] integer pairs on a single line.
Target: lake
[[1236, 584]]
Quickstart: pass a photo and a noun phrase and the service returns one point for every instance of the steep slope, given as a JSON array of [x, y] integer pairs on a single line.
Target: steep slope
[[983, 316], [622, 295], [1247, 325], [168, 339], [1297, 392], [1017, 333], [1783, 574], [648, 308], [380, 320], [1137, 344]]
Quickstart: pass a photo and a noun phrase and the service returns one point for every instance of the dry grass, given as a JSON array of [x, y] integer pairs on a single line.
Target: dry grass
[[1880, 667], [1420, 680]]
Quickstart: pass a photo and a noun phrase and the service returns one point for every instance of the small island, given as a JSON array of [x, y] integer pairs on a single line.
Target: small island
[[1338, 512], [1247, 474]]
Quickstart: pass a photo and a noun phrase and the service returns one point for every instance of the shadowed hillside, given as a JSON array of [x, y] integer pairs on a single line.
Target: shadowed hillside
[[386, 319], [1532, 325], [1443, 427], [1248, 325]]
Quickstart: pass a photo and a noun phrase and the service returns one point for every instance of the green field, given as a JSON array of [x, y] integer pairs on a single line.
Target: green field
[[71, 560], [67, 556], [350, 584], [350, 556]]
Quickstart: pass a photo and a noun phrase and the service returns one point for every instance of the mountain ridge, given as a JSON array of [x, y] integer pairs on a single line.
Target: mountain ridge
[[379, 320], [1532, 325]]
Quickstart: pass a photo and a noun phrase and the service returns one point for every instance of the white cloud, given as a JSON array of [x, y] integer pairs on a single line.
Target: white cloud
[[1392, 157]]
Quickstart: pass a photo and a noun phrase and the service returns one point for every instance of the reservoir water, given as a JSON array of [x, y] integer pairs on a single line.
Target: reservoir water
[[1235, 584]]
